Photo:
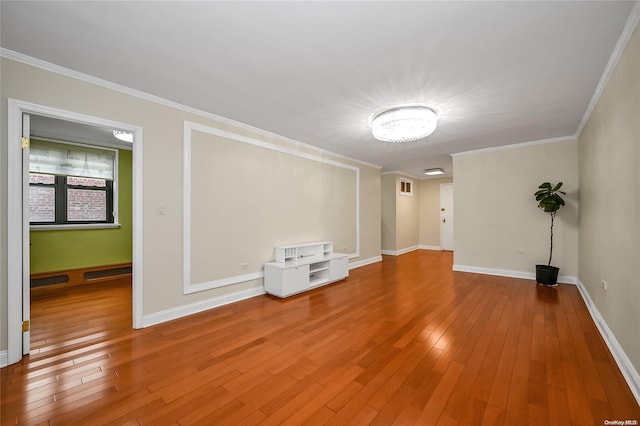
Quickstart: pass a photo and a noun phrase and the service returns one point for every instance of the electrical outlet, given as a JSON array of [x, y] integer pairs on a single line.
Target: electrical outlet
[[521, 251], [604, 285], [244, 266]]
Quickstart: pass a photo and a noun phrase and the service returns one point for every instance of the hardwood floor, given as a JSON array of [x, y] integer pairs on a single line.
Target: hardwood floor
[[405, 341]]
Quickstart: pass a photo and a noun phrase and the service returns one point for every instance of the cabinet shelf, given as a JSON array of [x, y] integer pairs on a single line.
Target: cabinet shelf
[[300, 251], [298, 268], [318, 282]]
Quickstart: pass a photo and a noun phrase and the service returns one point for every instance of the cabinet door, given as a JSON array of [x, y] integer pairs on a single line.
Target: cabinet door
[[295, 280], [339, 268]]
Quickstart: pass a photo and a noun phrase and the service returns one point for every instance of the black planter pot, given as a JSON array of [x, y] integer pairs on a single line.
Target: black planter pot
[[547, 275]]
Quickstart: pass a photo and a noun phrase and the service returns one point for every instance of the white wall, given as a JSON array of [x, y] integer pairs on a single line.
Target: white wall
[[609, 152], [496, 213], [163, 124]]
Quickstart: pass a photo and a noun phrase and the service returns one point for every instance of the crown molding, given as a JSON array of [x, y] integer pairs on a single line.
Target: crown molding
[[404, 174], [516, 145], [87, 78], [618, 50]]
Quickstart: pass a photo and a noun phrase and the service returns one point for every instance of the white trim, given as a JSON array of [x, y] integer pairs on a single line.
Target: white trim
[[15, 109], [399, 252], [14, 234], [38, 63], [423, 247], [626, 367], [189, 127], [3, 359], [618, 50], [516, 145], [365, 262], [203, 305], [223, 282], [563, 279]]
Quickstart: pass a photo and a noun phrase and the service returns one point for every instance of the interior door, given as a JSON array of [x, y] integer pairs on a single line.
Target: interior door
[[446, 216], [26, 285]]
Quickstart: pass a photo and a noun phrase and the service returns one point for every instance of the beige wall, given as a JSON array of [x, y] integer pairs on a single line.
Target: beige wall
[[162, 181], [609, 152], [496, 214], [400, 215], [407, 217], [246, 198], [429, 200], [388, 208]]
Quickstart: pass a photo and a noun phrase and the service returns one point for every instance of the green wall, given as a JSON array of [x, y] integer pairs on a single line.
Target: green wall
[[56, 250]]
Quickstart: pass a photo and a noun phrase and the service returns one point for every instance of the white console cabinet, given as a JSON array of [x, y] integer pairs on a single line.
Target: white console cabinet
[[302, 267]]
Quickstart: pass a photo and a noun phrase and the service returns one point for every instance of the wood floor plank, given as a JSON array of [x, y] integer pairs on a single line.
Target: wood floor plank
[[404, 341]]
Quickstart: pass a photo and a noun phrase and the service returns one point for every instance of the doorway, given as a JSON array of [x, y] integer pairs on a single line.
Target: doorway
[[446, 216], [18, 312]]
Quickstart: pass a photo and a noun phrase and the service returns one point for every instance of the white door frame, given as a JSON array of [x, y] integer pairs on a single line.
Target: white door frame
[[26, 237], [15, 184]]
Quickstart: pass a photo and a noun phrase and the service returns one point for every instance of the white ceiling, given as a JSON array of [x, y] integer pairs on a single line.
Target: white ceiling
[[499, 73], [51, 128]]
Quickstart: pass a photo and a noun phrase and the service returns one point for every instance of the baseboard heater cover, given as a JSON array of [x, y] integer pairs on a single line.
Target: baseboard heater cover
[[81, 275]]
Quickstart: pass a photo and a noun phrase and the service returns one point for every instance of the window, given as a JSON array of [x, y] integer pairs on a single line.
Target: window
[[71, 184], [406, 186]]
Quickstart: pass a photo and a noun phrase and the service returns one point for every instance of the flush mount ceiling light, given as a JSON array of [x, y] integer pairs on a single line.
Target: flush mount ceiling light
[[404, 123], [433, 172], [123, 135]]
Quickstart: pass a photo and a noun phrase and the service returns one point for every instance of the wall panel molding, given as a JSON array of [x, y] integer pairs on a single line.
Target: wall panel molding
[[189, 128]]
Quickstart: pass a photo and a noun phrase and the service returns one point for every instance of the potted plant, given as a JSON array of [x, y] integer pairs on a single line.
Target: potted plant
[[550, 201]]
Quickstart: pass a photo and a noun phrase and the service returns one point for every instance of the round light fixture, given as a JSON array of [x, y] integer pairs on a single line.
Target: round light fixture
[[404, 123], [123, 135]]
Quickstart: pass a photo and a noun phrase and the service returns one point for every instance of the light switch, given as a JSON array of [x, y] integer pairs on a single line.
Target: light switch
[[160, 210]]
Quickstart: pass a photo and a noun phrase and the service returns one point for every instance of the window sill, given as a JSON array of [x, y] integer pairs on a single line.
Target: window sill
[[74, 226]]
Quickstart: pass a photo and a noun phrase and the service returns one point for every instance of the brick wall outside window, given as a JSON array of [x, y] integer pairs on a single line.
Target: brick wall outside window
[[86, 205], [42, 204]]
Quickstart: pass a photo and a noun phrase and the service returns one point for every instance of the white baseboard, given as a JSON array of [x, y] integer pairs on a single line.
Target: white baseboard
[[364, 262], [423, 247], [628, 371], [194, 308], [563, 279], [399, 252], [4, 359]]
